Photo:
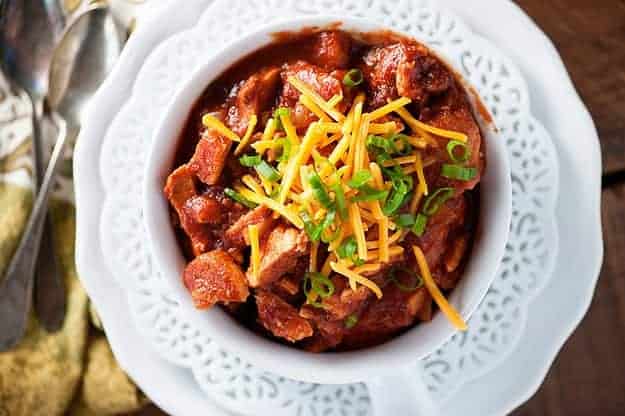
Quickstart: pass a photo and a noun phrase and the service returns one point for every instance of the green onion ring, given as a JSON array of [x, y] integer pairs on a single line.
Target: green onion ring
[[267, 171], [249, 161], [435, 200], [419, 225], [353, 77], [466, 153], [417, 280], [458, 172]]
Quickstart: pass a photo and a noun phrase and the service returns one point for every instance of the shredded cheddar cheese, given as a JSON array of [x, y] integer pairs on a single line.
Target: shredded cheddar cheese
[[350, 274], [255, 249], [304, 89], [419, 126], [212, 122], [248, 135], [449, 311], [334, 148]]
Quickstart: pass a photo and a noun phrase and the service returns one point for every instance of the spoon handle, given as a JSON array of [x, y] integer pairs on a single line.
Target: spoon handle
[[50, 297], [16, 289]]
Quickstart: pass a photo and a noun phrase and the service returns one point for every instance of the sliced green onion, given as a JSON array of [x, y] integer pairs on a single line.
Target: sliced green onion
[[348, 248], [280, 111], [405, 220], [458, 172], [380, 142], [249, 161], [466, 151], [436, 199], [351, 321], [309, 293], [367, 193], [339, 199], [415, 283], [319, 190], [313, 231], [325, 224], [353, 77], [267, 171], [357, 261], [406, 147], [317, 284], [232, 194], [359, 179], [419, 225], [396, 199], [286, 149], [322, 285]]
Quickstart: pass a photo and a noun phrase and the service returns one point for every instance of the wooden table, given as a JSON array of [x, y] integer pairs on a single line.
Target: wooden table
[[588, 376]]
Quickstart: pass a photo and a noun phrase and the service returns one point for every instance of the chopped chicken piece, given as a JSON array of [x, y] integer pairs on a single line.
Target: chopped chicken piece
[[204, 209], [332, 49], [210, 157], [180, 189], [262, 216], [280, 318], [403, 69], [279, 254], [256, 94], [215, 277], [325, 83]]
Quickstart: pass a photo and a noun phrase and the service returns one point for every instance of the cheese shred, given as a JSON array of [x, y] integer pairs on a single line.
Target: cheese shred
[[450, 312], [212, 122], [253, 235]]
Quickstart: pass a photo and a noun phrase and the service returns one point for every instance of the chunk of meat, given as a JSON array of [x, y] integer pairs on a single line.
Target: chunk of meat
[[279, 254], [210, 156], [180, 186], [215, 277], [452, 111], [288, 285], [331, 50], [237, 233], [403, 69], [325, 83], [441, 229], [329, 320], [203, 209], [181, 191], [280, 318], [382, 319], [343, 302], [256, 94]]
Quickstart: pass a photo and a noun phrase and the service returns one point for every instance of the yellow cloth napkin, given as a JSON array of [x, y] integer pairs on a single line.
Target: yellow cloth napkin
[[71, 371]]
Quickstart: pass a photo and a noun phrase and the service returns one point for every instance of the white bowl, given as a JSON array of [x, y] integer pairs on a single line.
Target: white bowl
[[377, 366]]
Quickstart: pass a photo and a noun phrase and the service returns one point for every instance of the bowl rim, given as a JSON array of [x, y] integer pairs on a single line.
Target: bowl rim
[[332, 367]]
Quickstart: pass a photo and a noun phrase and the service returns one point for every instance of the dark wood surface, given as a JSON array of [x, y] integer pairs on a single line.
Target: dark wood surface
[[588, 376]]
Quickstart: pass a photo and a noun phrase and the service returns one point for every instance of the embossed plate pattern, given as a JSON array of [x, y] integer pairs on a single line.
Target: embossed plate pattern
[[495, 327]]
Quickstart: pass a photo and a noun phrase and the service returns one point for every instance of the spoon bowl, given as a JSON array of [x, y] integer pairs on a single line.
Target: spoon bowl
[[82, 60]]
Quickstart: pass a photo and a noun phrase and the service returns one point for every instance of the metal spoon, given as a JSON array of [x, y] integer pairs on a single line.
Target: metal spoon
[[83, 58], [29, 30]]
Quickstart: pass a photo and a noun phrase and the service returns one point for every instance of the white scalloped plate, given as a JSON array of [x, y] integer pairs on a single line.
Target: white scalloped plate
[[115, 138]]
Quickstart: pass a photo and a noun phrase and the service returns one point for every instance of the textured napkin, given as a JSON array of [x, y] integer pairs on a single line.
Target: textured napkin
[[72, 371]]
